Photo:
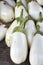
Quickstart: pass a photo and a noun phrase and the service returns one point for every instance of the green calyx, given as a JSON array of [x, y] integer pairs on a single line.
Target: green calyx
[[22, 21], [21, 27], [38, 31], [19, 3], [8, 25], [40, 17], [29, 1], [38, 27], [21, 17]]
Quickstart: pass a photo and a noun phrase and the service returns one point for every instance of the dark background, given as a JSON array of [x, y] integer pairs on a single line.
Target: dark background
[[5, 55]]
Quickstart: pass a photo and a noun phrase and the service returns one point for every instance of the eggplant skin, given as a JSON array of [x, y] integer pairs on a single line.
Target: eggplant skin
[[9, 32], [40, 2], [7, 12], [19, 48], [30, 31], [34, 10], [36, 51], [11, 2], [18, 11]]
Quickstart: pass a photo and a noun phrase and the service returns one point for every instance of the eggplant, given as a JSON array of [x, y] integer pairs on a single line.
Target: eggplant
[[36, 51], [19, 48], [34, 10], [30, 31], [6, 12]]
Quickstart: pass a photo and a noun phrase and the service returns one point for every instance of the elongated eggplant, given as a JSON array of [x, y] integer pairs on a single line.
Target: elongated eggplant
[[36, 51], [19, 48], [30, 31], [10, 31]]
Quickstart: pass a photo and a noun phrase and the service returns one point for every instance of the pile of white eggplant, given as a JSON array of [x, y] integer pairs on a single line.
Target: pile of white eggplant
[[25, 30]]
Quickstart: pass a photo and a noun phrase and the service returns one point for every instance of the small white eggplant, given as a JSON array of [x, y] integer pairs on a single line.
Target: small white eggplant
[[34, 10], [18, 10], [10, 31], [7, 12], [36, 51], [10, 2], [40, 2], [19, 48], [30, 31], [40, 24], [3, 31]]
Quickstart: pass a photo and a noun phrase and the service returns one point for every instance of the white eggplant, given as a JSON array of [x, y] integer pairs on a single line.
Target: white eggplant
[[30, 31], [18, 50], [3, 31], [40, 24], [7, 12], [40, 2], [10, 2], [36, 51], [34, 10], [18, 10], [10, 31]]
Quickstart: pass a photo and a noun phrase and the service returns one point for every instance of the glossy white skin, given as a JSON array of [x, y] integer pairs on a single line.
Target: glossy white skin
[[18, 11], [19, 48], [3, 31], [40, 2], [34, 10], [30, 31], [11, 2], [10, 31], [40, 26], [7, 12], [36, 51]]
